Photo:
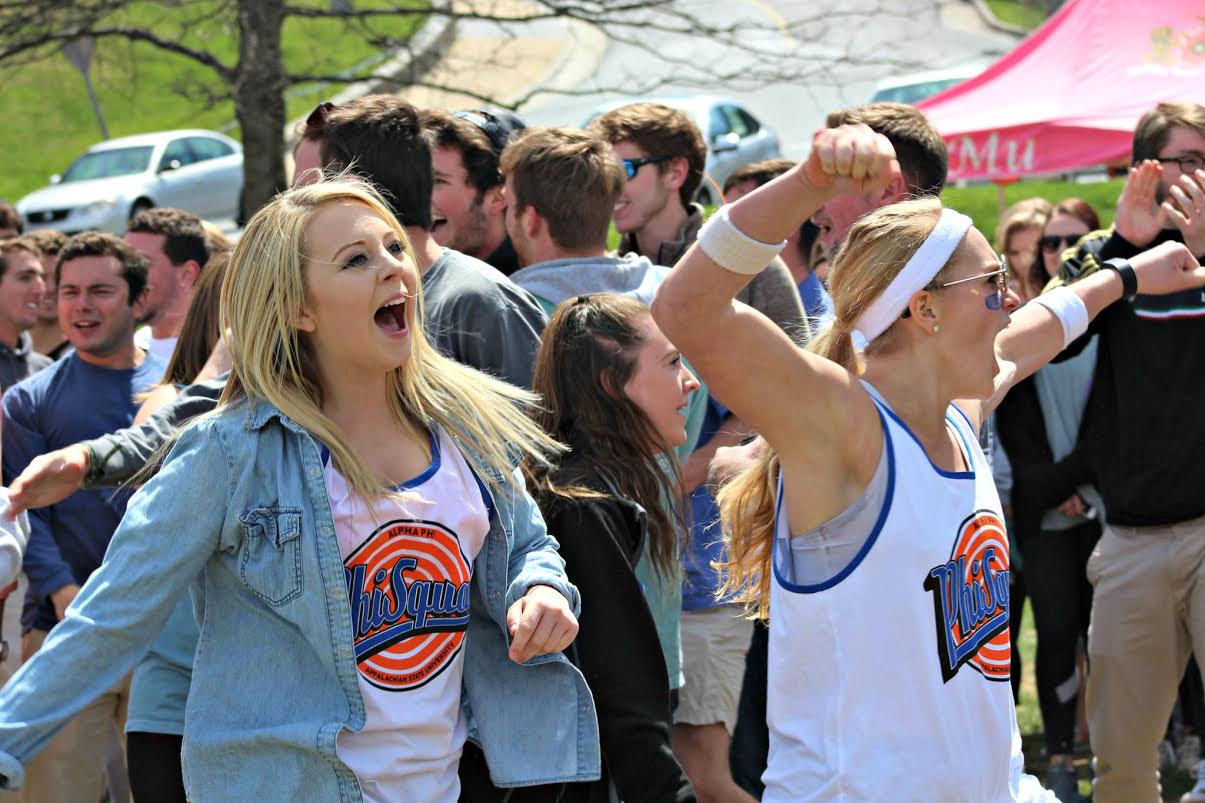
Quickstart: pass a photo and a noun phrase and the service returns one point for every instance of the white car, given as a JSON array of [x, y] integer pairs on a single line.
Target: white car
[[195, 170], [915, 87], [734, 136]]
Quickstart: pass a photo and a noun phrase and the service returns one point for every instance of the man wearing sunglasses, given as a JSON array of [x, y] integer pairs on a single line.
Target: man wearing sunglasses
[[1144, 430]]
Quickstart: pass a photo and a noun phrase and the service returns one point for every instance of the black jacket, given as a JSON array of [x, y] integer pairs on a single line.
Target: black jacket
[[617, 650], [1039, 483], [1143, 424]]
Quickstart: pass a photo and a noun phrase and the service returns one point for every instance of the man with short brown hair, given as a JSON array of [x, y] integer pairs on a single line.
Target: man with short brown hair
[[90, 392], [468, 204], [21, 291], [1143, 431], [176, 247], [664, 155], [48, 337]]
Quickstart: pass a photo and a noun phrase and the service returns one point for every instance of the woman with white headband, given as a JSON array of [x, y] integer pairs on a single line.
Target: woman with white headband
[[871, 527]]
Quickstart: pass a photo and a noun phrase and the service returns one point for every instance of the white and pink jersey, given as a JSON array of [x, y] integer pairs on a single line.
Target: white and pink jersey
[[889, 678], [408, 568]]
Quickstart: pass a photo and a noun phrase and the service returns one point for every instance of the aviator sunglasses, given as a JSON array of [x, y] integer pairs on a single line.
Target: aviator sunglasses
[[994, 301]]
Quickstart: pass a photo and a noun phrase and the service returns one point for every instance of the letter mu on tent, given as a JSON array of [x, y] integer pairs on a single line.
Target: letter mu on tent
[[1069, 96]]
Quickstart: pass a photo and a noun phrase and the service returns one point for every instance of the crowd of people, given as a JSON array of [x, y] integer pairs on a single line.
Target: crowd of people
[[420, 491]]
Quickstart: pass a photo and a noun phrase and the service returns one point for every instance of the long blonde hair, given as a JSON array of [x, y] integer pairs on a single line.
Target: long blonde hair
[[876, 249], [263, 294]]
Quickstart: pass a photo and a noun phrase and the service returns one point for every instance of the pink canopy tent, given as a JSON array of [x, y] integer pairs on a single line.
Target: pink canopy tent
[[1069, 96]]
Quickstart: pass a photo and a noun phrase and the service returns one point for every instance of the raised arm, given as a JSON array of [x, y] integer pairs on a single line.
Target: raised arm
[[744, 358], [1035, 334]]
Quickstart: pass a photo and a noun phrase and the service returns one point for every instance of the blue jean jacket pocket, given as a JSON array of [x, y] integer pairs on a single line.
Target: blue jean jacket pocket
[[270, 557]]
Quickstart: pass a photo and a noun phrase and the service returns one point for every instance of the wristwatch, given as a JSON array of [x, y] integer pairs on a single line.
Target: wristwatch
[[1129, 279]]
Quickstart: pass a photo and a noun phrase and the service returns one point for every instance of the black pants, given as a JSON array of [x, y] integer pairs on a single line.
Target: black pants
[[154, 762], [751, 736], [475, 785], [1061, 598]]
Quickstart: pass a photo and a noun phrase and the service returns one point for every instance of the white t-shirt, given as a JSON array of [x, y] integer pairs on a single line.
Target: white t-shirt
[[410, 651], [161, 347]]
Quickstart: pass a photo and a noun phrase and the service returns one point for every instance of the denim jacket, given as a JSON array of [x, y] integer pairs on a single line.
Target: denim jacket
[[241, 508]]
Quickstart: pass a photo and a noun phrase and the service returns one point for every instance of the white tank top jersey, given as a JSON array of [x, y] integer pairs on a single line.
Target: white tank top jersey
[[408, 571], [890, 679]]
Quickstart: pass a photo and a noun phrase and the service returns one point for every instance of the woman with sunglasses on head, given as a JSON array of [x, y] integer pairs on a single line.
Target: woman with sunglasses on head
[[1055, 522], [615, 392], [870, 528], [373, 584]]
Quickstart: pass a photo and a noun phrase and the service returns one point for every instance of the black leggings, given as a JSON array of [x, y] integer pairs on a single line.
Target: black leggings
[[1061, 598], [154, 761]]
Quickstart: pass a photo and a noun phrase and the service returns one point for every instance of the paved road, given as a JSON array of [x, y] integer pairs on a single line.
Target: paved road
[[824, 54]]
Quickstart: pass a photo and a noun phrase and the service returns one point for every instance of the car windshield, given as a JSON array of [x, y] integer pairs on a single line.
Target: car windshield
[[914, 93], [109, 163]]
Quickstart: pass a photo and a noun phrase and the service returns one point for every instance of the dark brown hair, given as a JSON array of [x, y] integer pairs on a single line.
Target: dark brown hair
[[20, 243], [571, 177], [379, 138], [760, 173], [98, 244], [183, 233], [476, 150], [659, 131], [1154, 127], [587, 356], [10, 218], [921, 151], [49, 241], [201, 330]]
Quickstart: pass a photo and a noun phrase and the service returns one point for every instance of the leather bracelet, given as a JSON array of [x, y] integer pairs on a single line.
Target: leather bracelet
[[1129, 279]]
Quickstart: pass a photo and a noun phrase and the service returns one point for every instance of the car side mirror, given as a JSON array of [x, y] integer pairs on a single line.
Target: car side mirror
[[174, 164], [56, 178], [726, 142]]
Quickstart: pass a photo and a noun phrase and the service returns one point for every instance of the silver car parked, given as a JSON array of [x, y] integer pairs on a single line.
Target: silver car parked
[[734, 136], [195, 170]]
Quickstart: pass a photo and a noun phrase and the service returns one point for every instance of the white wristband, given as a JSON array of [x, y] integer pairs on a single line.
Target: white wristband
[[1069, 308], [732, 249]]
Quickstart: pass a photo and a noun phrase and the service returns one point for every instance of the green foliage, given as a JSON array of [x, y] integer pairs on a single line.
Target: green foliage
[[980, 201], [49, 120], [1027, 14]]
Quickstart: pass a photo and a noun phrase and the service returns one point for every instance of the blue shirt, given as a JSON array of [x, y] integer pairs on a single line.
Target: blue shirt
[[70, 401], [700, 580], [817, 303], [240, 503]]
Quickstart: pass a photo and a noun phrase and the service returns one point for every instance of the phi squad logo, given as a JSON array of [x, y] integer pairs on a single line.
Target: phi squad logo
[[970, 600], [408, 585]]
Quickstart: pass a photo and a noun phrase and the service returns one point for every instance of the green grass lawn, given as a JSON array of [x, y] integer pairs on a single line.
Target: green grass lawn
[[141, 88], [980, 200], [1027, 14]]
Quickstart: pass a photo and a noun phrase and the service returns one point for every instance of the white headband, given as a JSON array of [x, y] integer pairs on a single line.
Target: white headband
[[933, 253]]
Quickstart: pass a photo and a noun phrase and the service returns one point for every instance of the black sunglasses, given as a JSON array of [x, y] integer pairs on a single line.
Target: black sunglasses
[[1058, 242], [632, 166]]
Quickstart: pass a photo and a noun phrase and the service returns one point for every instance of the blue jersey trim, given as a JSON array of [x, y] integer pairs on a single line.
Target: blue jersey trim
[[954, 475], [427, 474], [874, 534]]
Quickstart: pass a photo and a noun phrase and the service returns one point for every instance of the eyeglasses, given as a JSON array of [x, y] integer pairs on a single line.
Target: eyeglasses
[[632, 166], [319, 114], [1058, 242], [1188, 162], [996, 300]]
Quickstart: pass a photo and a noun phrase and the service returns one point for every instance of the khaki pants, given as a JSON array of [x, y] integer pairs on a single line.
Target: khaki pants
[[71, 767], [1147, 613]]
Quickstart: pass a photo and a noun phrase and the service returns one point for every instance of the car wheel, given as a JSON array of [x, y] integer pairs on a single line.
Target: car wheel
[[240, 217], [141, 205], [703, 196]]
